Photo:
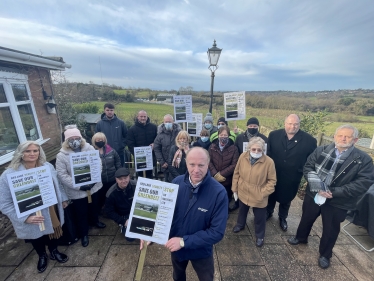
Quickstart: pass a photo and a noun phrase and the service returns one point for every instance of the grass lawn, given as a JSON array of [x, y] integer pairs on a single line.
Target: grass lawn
[[78, 172], [27, 195], [145, 214]]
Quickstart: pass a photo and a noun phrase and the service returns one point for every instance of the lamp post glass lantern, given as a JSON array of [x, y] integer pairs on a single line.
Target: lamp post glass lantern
[[213, 56]]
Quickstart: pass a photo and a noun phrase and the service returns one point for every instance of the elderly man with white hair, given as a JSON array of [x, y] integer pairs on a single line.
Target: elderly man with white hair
[[338, 175]]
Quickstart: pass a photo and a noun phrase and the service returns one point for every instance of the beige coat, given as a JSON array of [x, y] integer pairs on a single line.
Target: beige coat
[[254, 183]]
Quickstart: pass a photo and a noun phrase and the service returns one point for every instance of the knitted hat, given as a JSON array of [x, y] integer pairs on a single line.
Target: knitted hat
[[222, 119], [208, 117], [253, 121], [72, 133]]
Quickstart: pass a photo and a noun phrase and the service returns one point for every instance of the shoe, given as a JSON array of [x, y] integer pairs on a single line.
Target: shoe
[[100, 225], [234, 206], [295, 241], [283, 224], [42, 263], [259, 242], [85, 241], [60, 257], [323, 262], [268, 216], [236, 229]]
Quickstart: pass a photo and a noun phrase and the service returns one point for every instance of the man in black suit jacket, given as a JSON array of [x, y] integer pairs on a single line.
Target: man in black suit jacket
[[289, 148]]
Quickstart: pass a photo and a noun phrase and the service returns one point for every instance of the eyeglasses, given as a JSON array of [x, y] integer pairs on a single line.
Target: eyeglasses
[[256, 149]]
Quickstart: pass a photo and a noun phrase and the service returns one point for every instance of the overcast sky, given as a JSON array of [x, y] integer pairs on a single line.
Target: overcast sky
[[162, 44]]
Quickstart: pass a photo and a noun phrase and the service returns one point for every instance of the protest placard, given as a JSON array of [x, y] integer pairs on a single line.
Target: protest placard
[[32, 190], [183, 108], [143, 158], [234, 104], [152, 210], [85, 167], [194, 128]]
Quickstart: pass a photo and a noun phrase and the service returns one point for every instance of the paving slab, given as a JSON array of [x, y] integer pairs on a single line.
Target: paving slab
[[5, 271], [361, 266], [92, 255], [231, 222], [110, 229], [120, 263], [271, 234], [157, 255], [119, 239], [240, 273], [157, 273], [280, 264], [238, 250], [333, 273], [28, 268], [308, 254], [73, 273], [13, 250]]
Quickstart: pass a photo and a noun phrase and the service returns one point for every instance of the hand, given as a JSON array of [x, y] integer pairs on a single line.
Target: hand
[[236, 130], [165, 165], [326, 194], [142, 244], [173, 244], [219, 177], [35, 219], [65, 204], [127, 221], [86, 187], [151, 145]]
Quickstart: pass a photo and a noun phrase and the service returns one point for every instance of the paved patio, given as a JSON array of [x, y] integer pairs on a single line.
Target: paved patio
[[110, 257]]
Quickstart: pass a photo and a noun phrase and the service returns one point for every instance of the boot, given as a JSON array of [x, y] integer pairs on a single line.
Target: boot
[[60, 257], [42, 263]]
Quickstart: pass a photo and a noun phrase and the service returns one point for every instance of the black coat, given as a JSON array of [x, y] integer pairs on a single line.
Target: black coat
[[115, 131], [173, 171], [141, 135], [240, 139], [111, 162], [289, 163], [352, 179]]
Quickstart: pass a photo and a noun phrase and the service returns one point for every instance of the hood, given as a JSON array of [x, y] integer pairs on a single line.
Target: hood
[[104, 118], [161, 128]]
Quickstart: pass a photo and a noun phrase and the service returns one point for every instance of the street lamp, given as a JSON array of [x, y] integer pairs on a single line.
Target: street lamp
[[213, 55]]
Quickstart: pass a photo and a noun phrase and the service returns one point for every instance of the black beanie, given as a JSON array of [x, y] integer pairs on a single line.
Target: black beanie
[[253, 120], [222, 119]]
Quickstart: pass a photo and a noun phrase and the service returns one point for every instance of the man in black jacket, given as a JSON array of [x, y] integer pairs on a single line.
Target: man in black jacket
[[114, 129], [119, 199], [253, 130], [338, 175], [142, 133], [289, 148]]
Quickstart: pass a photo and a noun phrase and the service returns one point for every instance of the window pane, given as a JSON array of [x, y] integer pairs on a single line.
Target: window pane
[[28, 121], [2, 94], [20, 92], [8, 135]]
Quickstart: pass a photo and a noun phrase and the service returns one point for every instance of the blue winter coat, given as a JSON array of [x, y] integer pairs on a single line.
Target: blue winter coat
[[204, 223]]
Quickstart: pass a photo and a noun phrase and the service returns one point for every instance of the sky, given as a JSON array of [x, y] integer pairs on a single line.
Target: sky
[[268, 45]]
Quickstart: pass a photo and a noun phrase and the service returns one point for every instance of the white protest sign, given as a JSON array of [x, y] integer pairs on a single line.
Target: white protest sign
[[183, 108], [143, 158], [32, 190], [194, 128], [152, 210], [234, 104], [85, 167]]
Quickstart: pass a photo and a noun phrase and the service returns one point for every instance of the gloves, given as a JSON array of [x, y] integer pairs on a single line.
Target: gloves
[[86, 187], [219, 178]]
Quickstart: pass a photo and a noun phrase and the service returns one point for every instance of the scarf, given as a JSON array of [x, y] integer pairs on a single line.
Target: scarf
[[253, 160], [249, 136], [55, 223], [178, 156], [325, 167]]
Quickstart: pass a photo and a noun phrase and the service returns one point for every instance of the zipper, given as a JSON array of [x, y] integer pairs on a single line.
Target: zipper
[[345, 168]]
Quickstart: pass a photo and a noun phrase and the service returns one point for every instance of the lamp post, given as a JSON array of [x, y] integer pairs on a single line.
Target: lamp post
[[213, 55]]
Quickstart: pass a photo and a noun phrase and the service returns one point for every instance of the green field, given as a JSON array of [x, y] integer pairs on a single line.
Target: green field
[[78, 172], [268, 117], [27, 195], [145, 214]]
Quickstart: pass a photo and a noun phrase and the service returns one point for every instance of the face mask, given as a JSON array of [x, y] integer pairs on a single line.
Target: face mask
[[319, 200], [219, 126], [223, 140], [99, 144], [182, 143], [204, 139], [256, 155], [168, 126], [252, 131], [208, 126], [74, 144]]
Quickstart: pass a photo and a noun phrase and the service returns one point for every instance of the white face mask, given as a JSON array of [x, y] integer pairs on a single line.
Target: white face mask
[[319, 200], [256, 155]]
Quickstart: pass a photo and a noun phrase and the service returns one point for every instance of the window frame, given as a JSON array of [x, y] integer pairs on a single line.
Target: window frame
[[6, 80]]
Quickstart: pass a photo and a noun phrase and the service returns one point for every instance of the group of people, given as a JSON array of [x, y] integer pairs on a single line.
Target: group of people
[[220, 165]]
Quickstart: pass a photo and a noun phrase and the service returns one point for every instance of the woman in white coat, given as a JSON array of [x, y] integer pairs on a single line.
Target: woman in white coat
[[85, 213], [30, 155]]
